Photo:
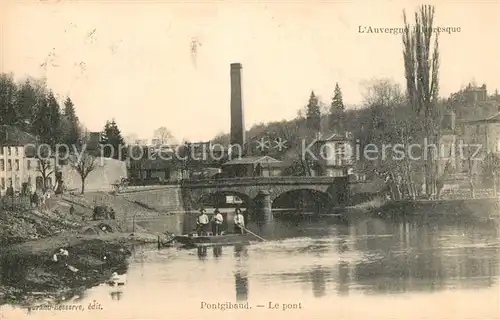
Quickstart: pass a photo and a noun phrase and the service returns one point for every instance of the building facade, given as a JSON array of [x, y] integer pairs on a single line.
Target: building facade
[[334, 156], [18, 163], [23, 164]]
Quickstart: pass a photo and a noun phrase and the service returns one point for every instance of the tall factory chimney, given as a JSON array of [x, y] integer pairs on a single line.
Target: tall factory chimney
[[237, 119]]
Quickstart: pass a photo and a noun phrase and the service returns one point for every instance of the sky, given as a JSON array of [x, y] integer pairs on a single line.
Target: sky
[[133, 60]]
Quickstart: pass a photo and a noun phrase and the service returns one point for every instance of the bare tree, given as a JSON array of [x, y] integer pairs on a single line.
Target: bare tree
[[421, 71], [387, 122], [46, 169], [382, 92], [163, 135], [84, 163]]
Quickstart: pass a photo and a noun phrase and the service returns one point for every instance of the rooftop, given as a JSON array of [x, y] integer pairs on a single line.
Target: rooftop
[[13, 136], [252, 160]]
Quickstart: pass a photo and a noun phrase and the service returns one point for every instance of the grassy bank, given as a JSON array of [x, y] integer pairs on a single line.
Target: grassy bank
[[29, 238]]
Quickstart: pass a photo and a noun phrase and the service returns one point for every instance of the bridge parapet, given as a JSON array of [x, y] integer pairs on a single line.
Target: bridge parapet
[[260, 181]]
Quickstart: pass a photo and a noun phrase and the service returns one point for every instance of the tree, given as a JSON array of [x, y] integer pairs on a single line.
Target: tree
[[421, 72], [112, 141], [386, 123], [41, 124], [295, 133], [337, 108], [383, 92], [47, 120], [313, 113], [8, 90], [27, 97], [70, 124], [83, 163], [46, 169], [54, 120], [163, 136]]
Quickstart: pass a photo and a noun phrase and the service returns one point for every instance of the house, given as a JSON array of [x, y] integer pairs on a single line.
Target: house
[[333, 156], [19, 164], [255, 166], [24, 162], [159, 170], [483, 137]]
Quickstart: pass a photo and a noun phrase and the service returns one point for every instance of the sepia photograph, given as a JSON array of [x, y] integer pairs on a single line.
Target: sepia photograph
[[215, 159]]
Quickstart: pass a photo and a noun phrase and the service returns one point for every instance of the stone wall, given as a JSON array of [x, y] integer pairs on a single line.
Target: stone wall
[[165, 199]]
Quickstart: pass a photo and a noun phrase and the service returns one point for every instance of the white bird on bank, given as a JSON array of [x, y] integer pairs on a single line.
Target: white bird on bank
[[117, 279]]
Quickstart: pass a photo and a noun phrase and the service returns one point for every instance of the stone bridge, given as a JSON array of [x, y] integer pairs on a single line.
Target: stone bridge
[[334, 189]]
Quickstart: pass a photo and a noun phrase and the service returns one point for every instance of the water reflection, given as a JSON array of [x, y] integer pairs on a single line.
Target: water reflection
[[342, 245], [217, 251], [116, 295], [241, 273], [202, 253], [424, 257], [241, 286], [318, 282], [377, 256], [344, 278]]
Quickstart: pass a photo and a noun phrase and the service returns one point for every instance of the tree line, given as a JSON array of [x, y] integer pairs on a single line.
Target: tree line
[[33, 108], [390, 115]]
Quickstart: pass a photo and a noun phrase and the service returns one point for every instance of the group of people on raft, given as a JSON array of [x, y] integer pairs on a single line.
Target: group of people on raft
[[203, 222]]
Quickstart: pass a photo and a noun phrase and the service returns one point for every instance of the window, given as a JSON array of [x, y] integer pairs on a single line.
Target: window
[[28, 164], [8, 151], [10, 182], [17, 165], [2, 165], [29, 180], [9, 165], [16, 151], [3, 183], [1, 150]]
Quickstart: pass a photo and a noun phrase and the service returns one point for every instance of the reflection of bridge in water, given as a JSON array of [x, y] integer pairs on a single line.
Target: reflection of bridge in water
[[394, 258]]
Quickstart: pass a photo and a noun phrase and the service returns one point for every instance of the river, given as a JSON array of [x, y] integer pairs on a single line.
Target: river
[[361, 269]]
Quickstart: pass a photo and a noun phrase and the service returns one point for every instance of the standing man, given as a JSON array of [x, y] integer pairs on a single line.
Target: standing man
[[239, 222], [217, 220], [202, 223]]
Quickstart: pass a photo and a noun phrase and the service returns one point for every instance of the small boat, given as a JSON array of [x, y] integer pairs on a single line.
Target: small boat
[[193, 240]]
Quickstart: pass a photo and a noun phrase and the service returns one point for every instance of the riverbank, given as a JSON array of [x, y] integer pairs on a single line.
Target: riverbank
[[29, 272], [29, 238], [479, 209]]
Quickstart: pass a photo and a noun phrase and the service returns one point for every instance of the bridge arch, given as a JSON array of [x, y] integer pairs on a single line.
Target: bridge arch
[[277, 191], [302, 198]]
